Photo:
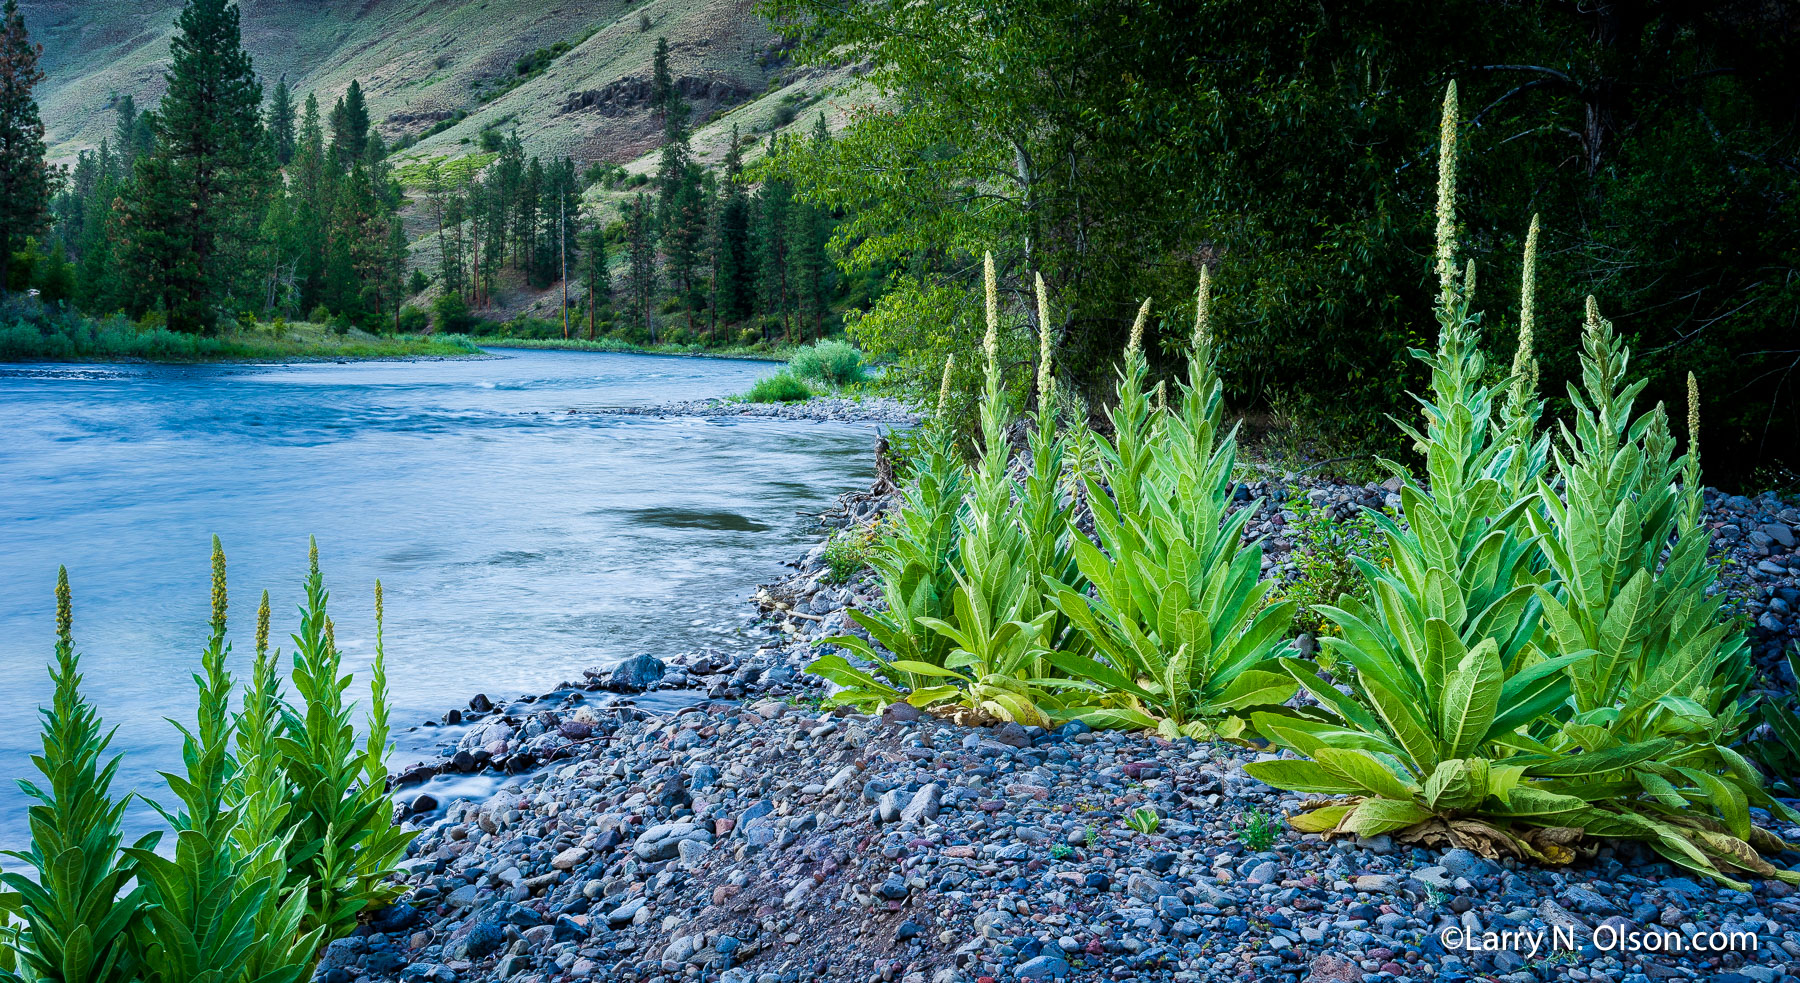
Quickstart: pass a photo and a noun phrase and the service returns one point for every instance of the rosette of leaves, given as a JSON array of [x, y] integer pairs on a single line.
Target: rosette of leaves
[[1182, 640]]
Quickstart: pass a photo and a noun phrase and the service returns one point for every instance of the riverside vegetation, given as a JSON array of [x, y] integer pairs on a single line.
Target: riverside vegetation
[[283, 833], [1538, 659]]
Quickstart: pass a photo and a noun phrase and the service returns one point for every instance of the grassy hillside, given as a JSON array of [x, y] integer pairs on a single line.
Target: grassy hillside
[[425, 63]]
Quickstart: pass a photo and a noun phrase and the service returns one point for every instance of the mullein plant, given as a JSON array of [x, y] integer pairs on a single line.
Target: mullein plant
[[1446, 662], [914, 563], [998, 620], [283, 953], [200, 921], [80, 910], [1046, 506], [1634, 592], [344, 842], [1183, 642], [1464, 725]]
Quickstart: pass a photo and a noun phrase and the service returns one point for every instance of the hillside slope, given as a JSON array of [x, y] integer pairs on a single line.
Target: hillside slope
[[421, 62]]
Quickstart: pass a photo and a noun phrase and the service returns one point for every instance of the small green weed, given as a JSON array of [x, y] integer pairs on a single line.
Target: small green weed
[[1255, 829], [1144, 819], [848, 552], [1061, 851], [1324, 554]]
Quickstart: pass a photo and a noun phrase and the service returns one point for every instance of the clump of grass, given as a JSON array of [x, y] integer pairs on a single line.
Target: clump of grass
[[833, 363], [782, 387]]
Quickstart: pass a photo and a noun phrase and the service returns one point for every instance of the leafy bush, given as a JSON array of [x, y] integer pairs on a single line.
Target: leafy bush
[[412, 320], [451, 313], [832, 362], [781, 387]]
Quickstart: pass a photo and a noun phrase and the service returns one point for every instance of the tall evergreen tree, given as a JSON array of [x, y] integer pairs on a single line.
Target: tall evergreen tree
[[201, 192], [350, 127], [734, 283], [133, 134], [640, 241], [596, 273], [311, 182], [24, 177], [281, 122], [770, 241]]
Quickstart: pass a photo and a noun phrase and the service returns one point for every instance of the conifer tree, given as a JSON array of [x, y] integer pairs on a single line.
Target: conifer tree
[[640, 241], [24, 177], [596, 273], [350, 127], [281, 122], [770, 242], [132, 133], [311, 183], [734, 291], [201, 191]]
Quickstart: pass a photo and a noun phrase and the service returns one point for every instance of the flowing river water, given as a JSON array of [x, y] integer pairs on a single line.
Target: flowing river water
[[516, 542]]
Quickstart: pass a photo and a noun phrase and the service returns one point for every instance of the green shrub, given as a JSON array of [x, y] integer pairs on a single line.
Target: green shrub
[[451, 313], [412, 320], [834, 363], [320, 314], [781, 387]]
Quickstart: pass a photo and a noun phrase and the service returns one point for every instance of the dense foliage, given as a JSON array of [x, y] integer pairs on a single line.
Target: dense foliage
[[1115, 147], [1534, 654]]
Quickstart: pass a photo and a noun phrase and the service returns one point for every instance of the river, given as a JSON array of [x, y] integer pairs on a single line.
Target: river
[[516, 542]]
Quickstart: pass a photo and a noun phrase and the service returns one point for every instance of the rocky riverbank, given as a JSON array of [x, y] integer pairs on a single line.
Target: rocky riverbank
[[702, 819], [836, 409]]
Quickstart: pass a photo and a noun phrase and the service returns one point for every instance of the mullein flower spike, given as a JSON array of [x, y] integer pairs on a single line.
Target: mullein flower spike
[[1046, 378], [1524, 366], [1203, 314], [1136, 344], [943, 403], [990, 343], [1446, 199], [218, 588]]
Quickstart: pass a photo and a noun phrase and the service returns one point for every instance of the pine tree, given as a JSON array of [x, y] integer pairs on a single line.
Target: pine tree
[[640, 239], [596, 272], [312, 181], [281, 122], [24, 178], [734, 287], [133, 134], [773, 202], [350, 127], [201, 192]]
